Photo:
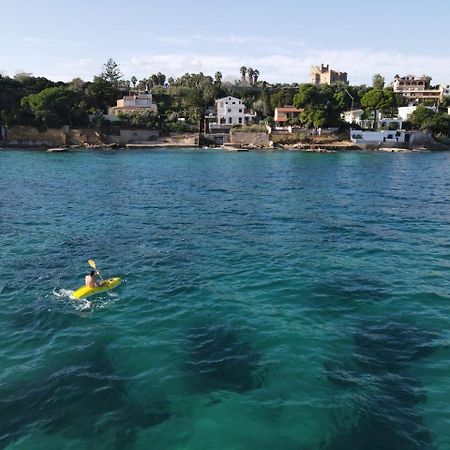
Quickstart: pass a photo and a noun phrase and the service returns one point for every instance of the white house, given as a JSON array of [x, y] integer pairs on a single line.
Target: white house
[[380, 137], [405, 111], [232, 111], [139, 103], [353, 116]]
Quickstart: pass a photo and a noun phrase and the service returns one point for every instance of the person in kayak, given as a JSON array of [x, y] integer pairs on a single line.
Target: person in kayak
[[90, 281]]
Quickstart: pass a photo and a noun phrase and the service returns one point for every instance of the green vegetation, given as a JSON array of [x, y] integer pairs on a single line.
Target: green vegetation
[[183, 102], [427, 120]]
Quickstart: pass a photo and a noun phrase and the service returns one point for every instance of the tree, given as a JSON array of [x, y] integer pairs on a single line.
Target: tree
[[243, 73], [378, 82], [100, 94], [255, 76], [379, 100], [421, 117], [77, 84], [427, 120], [161, 79], [111, 72], [265, 98], [133, 81], [308, 95], [55, 106], [218, 78], [250, 73]]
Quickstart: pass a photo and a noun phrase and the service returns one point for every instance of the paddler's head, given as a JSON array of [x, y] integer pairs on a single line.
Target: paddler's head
[[92, 273]]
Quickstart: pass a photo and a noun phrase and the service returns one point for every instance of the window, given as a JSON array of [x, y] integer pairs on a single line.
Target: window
[[229, 110], [240, 110], [230, 120], [234, 103], [240, 120]]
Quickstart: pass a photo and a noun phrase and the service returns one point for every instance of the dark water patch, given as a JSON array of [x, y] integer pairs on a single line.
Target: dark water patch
[[387, 416], [84, 399], [351, 288], [218, 359], [389, 346], [39, 317]]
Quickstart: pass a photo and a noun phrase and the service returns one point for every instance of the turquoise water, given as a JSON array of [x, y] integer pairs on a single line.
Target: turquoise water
[[271, 300]]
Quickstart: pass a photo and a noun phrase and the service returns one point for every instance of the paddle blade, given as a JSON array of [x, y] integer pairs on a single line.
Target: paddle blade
[[91, 262]]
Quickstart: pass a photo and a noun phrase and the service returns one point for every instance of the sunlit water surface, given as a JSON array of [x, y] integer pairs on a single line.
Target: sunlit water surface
[[271, 300]]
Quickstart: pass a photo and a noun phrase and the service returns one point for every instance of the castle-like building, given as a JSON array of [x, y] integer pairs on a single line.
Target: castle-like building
[[324, 75]]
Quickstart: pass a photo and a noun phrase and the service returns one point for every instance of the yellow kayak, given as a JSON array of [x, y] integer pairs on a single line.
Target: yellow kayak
[[84, 291]]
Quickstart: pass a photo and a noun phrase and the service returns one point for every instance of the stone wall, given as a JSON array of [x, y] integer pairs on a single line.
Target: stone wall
[[249, 139], [132, 137], [421, 137], [84, 136], [30, 136]]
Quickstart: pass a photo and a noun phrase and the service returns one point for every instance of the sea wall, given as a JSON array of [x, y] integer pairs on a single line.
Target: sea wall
[[249, 138], [132, 137], [30, 136], [56, 137]]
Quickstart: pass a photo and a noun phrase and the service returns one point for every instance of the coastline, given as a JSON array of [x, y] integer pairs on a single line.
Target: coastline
[[300, 147]]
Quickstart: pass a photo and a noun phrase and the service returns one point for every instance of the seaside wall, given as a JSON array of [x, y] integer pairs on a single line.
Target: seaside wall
[[421, 137], [132, 137], [30, 136], [52, 137], [249, 138]]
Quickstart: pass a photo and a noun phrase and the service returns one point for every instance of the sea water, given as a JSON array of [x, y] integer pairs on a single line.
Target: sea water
[[270, 300]]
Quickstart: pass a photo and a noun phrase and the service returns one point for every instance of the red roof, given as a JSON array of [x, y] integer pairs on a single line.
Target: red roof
[[288, 109]]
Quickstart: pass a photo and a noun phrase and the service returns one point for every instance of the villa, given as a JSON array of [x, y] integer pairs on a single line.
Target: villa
[[284, 114], [139, 103], [416, 88], [227, 112]]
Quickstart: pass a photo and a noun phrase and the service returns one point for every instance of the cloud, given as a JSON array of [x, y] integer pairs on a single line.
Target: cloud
[[290, 65], [54, 43], [360, 64]]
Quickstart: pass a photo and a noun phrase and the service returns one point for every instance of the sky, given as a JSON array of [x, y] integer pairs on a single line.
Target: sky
[[64, 39]]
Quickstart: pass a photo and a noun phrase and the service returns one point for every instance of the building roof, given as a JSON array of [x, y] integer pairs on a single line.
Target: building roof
[[288, 109]]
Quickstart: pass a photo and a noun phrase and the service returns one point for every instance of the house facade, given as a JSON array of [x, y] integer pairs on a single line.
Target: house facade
[[416, 88], [284, 114], [232, 111], [353, 116], [324, 75], [139, 103], [380, 137]]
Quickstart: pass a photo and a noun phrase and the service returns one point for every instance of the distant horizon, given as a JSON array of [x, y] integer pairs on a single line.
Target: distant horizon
[[281, 42]]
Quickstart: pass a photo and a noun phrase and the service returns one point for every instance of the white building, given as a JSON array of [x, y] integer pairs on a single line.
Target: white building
[[139, 103], [353, 116], [405, 111], [232, 111], [445, 89], [380, 137]]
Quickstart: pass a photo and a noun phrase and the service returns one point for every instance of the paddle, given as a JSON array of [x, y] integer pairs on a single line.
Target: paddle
[[91, 262]]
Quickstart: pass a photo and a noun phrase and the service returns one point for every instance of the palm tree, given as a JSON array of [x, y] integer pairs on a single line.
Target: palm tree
[[243, 73], [218, 77], [250, 73], [133, 81], [255, 76]]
